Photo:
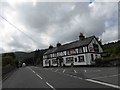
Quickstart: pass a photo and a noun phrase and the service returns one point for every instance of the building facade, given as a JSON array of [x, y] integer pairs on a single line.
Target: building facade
[[81, 52]]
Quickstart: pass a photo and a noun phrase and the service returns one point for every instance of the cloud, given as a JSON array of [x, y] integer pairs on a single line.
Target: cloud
[[50, 22], [110, 35]]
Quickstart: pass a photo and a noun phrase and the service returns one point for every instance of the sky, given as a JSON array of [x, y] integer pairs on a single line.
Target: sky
[[40, 24]]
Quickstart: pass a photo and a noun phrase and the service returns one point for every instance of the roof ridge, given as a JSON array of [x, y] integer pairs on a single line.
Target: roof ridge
[[85, 42], [78, 40]]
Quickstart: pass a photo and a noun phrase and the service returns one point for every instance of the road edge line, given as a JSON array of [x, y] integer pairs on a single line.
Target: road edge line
[[39, 76], [50, 86], [103, 83]]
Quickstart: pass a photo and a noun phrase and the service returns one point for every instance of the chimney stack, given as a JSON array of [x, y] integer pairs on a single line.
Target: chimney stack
[[58, 44], [81, 36], [50, 47]]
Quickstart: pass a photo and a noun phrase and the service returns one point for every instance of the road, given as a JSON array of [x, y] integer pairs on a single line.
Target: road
[[54, 78]]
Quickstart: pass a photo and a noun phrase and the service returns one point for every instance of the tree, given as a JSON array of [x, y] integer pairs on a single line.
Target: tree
[[117, 50]]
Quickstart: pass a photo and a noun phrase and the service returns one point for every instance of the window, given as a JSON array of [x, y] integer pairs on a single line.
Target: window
[[69, 59], [55, 54], [75, 59], [91, 49], [46, 61], [68, 52], [80, 50], [48, 56], [54, 61], [96, 48], [72, 51], [80, 58]]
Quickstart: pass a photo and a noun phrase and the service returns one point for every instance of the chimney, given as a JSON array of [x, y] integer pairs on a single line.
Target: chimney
[[50, 47], [81, 36], [58, 44]]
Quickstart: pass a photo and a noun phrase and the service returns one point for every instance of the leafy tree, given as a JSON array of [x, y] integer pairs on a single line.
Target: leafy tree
[[9, 60], [117, 50]]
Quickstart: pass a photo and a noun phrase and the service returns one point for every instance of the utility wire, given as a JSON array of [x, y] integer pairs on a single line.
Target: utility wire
[[17, 28]]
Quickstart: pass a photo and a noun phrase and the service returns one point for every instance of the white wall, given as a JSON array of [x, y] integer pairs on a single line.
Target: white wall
[[80, 63], [44, 64], [75, 63], [95, 42]]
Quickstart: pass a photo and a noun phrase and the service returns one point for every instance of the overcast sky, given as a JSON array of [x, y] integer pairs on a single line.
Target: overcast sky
[[45, 23]]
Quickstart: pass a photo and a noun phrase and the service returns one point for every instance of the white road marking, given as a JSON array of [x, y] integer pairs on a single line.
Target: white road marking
[[63, 70], [79, 78], [75, 76], [50, 86], [39, 76], [103, 83], [36, 73], [33, 71], [56, 70], [70, 75], [75, 71], [106, 76], [85, 70]]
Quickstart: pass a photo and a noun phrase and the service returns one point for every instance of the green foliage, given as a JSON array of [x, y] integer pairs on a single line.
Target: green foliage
[[28, 60], [114, 51], [7, 60], [9, 63], [6, 69]]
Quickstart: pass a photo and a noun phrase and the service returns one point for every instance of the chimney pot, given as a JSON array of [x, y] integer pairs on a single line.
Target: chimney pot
[[81, 37]]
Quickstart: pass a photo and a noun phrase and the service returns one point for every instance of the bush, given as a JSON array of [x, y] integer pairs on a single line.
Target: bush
[[9, 60], [6, 69], [109, 61]]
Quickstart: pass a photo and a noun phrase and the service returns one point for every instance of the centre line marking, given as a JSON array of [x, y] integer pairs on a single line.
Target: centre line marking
[[39, 76], [103, 83], [50, 86], [63, 70], [33, 71], [75, 71]]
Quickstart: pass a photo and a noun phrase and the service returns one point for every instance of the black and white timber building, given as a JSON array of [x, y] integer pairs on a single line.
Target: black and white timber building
[[81, 52]]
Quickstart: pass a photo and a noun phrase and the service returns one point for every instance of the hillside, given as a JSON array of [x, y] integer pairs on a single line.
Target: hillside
[[22, 55], [111, 45]]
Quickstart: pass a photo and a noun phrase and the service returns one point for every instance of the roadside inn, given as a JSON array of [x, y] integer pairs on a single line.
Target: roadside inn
[[81, 52]]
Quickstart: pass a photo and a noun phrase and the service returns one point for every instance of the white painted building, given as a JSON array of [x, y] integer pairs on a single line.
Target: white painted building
[[81, 52]]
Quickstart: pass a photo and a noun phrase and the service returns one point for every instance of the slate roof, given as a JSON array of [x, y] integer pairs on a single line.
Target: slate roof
[[78, 43]]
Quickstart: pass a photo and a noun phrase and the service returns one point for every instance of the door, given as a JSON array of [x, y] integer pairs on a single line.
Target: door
[[92, 58]]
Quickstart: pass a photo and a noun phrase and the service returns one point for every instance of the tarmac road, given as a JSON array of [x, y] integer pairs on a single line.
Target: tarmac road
[[55, 78]]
